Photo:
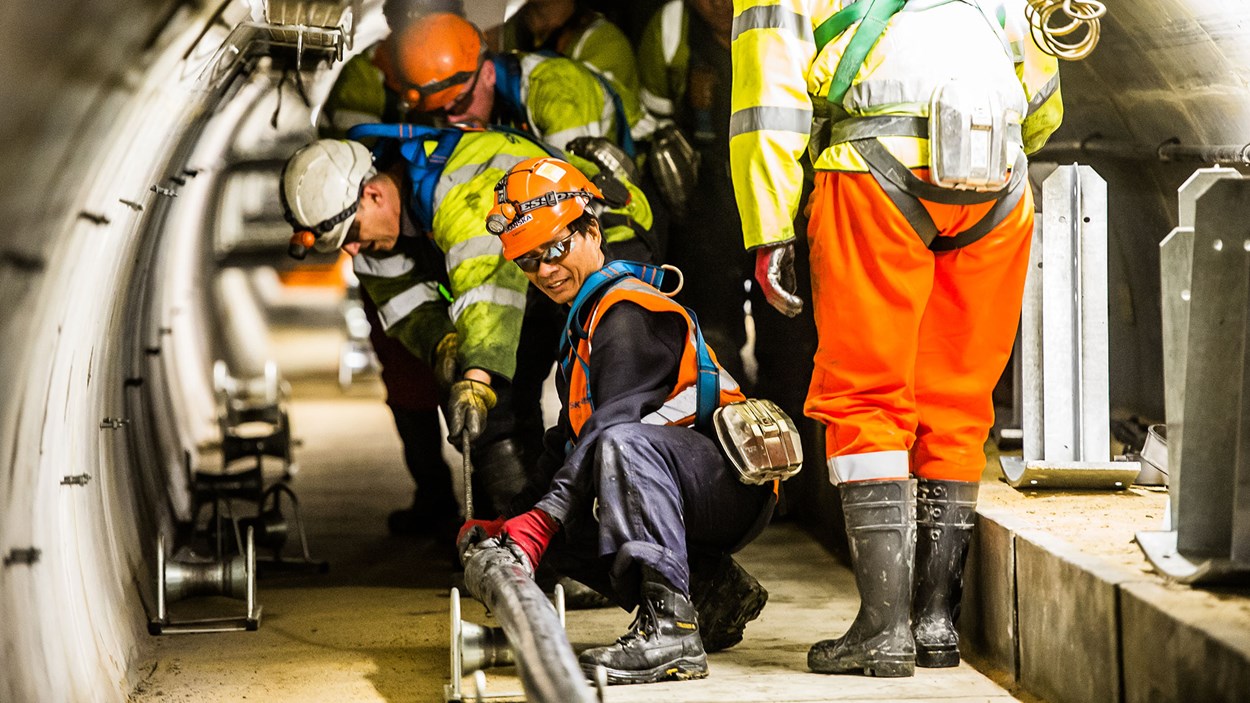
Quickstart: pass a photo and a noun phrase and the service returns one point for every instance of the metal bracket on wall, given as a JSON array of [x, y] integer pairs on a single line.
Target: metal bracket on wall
[[26, 556], [1063, 342], [76, 480]]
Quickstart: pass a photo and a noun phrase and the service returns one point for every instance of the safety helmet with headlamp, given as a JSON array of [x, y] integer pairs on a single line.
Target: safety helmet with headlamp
[[320, 190], [535, 200], [433, 61]]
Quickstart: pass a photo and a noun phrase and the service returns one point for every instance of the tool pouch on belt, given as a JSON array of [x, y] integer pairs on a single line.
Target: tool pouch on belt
[[970, 145], [760, 440]]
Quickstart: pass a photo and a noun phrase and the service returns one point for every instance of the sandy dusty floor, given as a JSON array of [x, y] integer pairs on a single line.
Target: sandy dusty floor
[[375, 628]]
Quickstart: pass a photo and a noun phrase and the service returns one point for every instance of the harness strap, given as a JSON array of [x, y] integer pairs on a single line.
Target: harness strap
[[871, 26], [906, 191], [707, 386]]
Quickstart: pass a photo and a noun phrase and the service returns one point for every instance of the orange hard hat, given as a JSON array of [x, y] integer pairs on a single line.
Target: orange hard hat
[[534, 200], [432, 60]]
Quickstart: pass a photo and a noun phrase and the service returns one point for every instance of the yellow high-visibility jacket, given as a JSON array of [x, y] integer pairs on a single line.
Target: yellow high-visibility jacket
[[779, 78]]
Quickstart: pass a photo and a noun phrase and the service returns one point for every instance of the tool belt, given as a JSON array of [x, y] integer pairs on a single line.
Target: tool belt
[[759, 439], [907, 191]]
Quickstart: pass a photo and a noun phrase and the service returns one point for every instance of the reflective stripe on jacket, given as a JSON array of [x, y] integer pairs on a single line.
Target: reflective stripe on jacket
[[779, 77], [663, 59], [679, 408], [488, 291]]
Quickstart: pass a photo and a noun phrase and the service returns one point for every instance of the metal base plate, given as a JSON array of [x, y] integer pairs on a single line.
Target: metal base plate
[[1160, 549], [1109, 475]]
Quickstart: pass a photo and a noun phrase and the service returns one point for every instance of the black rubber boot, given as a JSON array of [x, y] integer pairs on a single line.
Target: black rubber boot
[[945, 511], [726, 598], [663, 643], [881, 530], [498, 476], [433, 511]]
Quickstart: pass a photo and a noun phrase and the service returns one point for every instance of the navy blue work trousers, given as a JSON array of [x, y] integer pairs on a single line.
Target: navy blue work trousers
[[662, 494]]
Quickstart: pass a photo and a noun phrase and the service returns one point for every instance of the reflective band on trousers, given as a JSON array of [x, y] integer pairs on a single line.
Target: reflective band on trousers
[[685, 404], [497, 295], [402, 305], [382, 267], [773, 17], [781, 119], [869, 466]]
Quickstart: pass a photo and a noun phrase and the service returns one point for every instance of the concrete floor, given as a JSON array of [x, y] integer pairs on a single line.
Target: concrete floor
[[375, 628]]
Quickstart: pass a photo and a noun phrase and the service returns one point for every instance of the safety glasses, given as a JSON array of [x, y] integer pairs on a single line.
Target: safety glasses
[[554, 254]]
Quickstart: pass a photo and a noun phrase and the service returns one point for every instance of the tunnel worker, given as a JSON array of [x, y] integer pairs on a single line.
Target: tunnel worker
[[359, 93], [412, 394], [570, 28], [685, 68], [920, 225], [439, 280], [441, 67], [638, 491]]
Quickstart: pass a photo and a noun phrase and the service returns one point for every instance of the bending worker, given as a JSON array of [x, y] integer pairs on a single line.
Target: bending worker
[[918, 254], [639, 490]]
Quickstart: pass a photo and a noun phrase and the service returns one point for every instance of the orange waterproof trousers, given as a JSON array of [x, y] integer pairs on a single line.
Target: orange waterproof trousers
[[912, 342]]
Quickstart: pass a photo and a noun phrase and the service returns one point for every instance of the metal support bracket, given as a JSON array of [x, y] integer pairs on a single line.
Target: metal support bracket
[[249, 621], [1063, 342], [476, 647]]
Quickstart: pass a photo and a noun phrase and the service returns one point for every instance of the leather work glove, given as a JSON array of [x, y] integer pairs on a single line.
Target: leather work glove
[[529, 533], [774, 270], [466, 410], [446, 359]]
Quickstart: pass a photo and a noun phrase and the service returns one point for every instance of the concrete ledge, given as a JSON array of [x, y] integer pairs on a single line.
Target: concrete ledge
[[1182, 645], [1060, 602]]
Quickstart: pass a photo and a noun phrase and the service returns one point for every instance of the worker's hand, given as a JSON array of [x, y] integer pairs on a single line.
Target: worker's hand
[[466, 410], [445, 360], [474, 532], [530, 533], [774, 270]]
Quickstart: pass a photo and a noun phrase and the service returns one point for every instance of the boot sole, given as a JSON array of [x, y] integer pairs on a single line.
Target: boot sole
[[680, 670], [937, 658], [881, 668]]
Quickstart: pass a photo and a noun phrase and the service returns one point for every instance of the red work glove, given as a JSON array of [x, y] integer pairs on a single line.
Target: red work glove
[[531, 532], [774, 271], [490, 527]]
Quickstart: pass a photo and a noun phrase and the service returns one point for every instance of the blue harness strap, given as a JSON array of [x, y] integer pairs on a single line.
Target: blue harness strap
[[423, 169], [593, 289]]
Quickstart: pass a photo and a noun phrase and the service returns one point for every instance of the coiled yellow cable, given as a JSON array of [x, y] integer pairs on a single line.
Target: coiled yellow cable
[[1053, 21]]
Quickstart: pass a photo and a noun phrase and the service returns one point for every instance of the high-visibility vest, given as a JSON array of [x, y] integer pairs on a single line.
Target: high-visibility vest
[[785, 65], [682, 406]]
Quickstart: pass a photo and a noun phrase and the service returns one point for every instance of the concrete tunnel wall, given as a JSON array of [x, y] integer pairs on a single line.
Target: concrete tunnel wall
[[101, 100], [99, 106]]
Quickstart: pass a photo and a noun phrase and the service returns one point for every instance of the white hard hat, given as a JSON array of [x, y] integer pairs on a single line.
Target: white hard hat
[[321, 186]]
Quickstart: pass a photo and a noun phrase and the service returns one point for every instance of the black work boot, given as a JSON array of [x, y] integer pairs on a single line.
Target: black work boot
[[726, 598], [881, 530], [945, 511], [498, 476], [433, 511], [663, 643]]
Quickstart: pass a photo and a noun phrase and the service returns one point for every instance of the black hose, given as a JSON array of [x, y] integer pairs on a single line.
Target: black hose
[[544, 658]]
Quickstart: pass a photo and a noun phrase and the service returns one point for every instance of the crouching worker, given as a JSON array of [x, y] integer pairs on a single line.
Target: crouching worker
[[632, 477]]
